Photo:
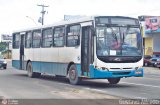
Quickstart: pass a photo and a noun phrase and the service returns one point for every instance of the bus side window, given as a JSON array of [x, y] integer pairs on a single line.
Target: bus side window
[[47, 37], [28, 40], [58, 37], [36, 39], [73, 35]]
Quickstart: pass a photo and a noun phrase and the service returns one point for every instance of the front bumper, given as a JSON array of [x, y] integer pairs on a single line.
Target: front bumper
[[97, 73]]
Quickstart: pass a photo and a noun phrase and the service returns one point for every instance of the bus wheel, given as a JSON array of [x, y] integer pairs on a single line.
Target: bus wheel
[[30, 72], [113, 80], [73, 75]]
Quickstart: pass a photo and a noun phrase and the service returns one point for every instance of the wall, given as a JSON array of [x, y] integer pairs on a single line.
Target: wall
[[156, 42], [148, 45]]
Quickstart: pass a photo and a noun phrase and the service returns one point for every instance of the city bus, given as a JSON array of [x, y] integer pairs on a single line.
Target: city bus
[[96, 47]]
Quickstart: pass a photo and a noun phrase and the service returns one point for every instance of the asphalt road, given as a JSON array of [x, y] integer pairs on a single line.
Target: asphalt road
[[147, 87], [15, 84]]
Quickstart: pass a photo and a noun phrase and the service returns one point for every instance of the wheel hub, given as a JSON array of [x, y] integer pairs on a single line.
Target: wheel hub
[[73, 74]]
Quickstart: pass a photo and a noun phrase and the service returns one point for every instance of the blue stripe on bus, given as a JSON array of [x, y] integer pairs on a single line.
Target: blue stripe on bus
[[61, 69], [48, 67], [16, 64]]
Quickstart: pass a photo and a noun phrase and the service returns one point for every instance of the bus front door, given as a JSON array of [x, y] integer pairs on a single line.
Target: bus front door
[[86, 50], [22, 52]]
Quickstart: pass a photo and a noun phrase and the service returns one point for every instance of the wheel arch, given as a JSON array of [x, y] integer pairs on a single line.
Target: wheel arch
[[71, 63], [27, 63]]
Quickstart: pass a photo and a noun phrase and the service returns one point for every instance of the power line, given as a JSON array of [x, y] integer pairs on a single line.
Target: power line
[[32, 19], [42, 12]]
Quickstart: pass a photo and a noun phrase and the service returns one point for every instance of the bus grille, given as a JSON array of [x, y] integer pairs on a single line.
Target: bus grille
[[121, 73], [121, 68]]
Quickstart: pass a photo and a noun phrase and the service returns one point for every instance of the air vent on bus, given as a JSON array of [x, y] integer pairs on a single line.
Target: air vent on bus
[[121, 73]]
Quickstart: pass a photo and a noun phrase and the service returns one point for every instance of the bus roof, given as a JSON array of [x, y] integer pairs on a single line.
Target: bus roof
[[83, 19], [65, 22]]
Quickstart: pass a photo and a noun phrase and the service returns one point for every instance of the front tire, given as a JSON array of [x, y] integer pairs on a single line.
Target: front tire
[[113, 80], [73, 75]]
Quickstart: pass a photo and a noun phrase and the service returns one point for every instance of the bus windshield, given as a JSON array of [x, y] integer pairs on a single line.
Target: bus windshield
[[118, 41]]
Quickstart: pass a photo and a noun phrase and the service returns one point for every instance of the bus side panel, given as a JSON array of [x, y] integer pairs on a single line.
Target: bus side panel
[[62, 68], [36, 66], [28, 55], [53, 68], [49, 60], [49, 67], [16, 64], [36, 59], [67, 55], [55, 60], [15, 58]]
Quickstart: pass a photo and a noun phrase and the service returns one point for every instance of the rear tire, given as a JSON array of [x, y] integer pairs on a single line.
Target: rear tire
[[113, 80], [73, 75], [4, 67], [30, 72]]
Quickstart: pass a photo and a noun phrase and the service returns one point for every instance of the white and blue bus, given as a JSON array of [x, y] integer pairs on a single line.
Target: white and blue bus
[[99, 47]]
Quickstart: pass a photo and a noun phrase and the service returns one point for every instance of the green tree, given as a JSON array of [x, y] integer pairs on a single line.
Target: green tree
[[3, 46]]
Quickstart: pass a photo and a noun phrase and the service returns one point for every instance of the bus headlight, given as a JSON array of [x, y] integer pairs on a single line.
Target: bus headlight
[[101, 68], [136, 68]]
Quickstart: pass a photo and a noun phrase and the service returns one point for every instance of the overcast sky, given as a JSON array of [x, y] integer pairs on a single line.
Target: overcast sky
[[14, 12]]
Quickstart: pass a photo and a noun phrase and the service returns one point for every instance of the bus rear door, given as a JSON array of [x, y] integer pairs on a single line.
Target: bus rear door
[[22, 36]]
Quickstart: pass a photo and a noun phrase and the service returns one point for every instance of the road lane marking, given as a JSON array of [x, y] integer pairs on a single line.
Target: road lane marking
[[141, 84], [152, 75], [95, 90], [112, 94], [140, 98]]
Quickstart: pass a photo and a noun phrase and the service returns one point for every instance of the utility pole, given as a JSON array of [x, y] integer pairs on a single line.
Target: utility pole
[[42, 12]]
